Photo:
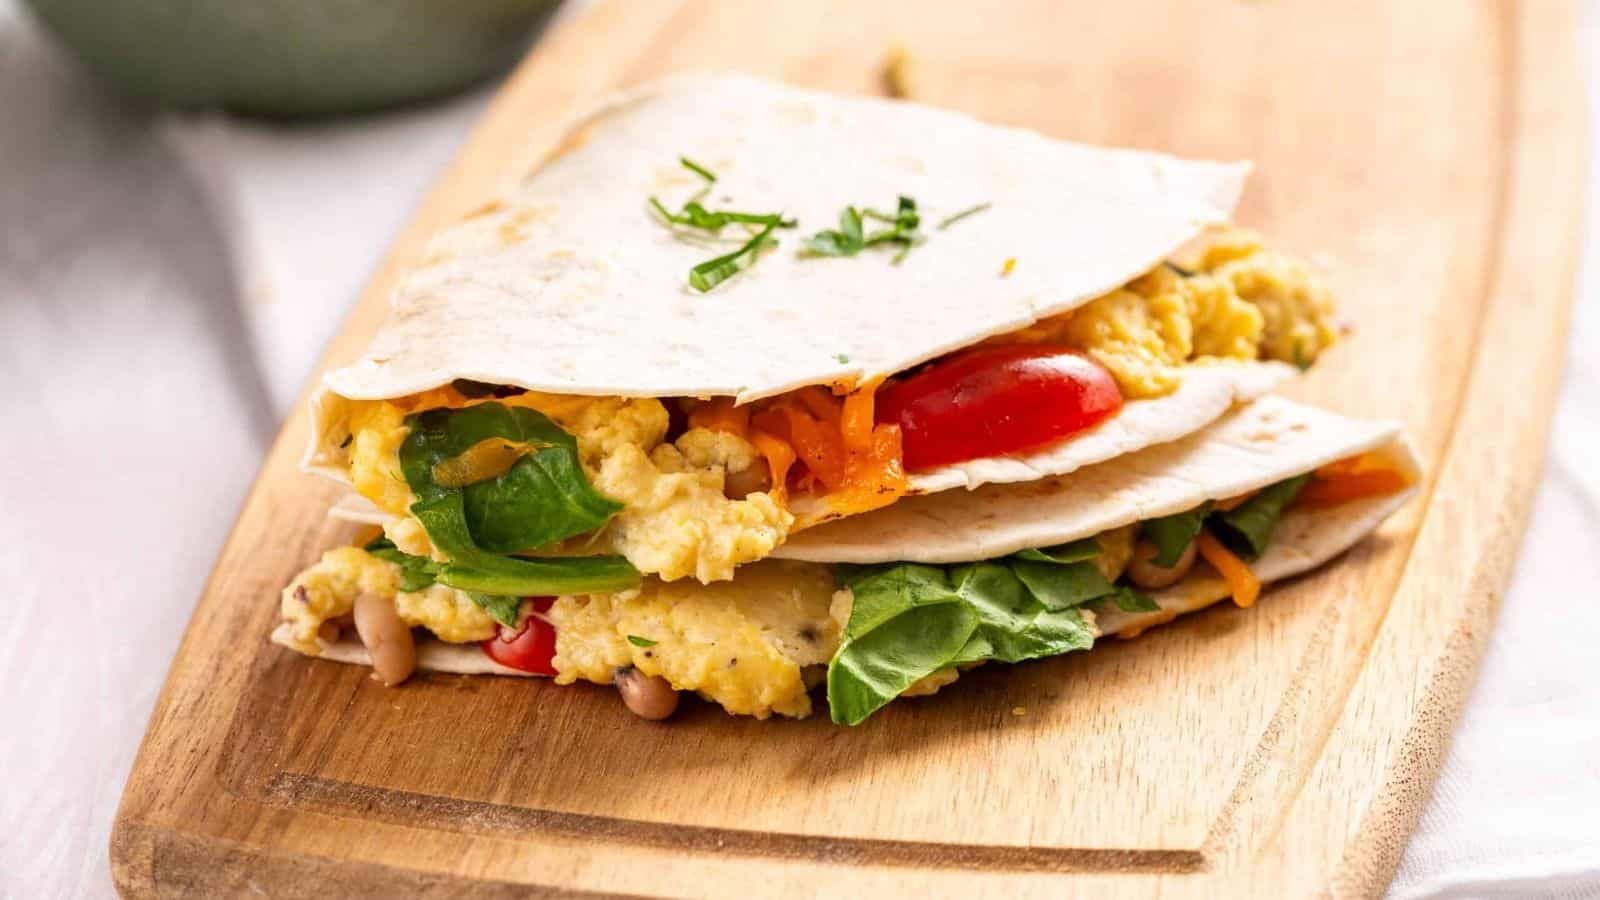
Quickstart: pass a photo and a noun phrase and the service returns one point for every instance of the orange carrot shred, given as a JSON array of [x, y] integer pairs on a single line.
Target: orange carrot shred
[[1244, 584]]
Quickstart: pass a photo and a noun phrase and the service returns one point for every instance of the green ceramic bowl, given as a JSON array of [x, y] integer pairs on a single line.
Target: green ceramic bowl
[[291, 58]]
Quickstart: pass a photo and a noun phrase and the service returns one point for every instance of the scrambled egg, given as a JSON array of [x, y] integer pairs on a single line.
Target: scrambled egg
[[328, 590], [1241, 302], [676, 521], [744, 644], [1296, 307]]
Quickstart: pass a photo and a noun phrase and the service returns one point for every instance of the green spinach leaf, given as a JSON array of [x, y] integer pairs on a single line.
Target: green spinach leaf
[[501, 608], [910, 620], [472, 568], [501, 591], [1173, 534], [1076, 551], [1129, 600], [417, 573], [1247, 527], [544, 497]]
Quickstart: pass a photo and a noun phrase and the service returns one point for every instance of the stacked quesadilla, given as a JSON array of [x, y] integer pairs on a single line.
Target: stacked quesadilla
[[750, 389]]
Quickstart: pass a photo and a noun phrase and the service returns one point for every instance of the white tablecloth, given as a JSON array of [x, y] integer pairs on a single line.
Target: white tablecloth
[[166, 286]]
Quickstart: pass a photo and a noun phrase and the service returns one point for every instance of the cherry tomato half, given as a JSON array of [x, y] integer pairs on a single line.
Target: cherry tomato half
[[995, 400], [530, 648]]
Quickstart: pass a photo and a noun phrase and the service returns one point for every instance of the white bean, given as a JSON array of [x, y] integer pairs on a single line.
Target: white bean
[[649, 696], [387, 639]]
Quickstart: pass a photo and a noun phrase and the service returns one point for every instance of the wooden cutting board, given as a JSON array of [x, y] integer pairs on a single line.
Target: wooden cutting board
[[1429, 154]]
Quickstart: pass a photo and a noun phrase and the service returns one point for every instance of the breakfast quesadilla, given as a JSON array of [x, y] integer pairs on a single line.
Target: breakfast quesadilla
[[726, 311], [897, 602], [731, 320]]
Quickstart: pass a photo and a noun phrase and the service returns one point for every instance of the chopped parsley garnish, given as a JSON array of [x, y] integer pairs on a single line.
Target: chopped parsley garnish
[[693, 213], [702, 171], [638, 641], [851, 237], [970, 211], [841, 358], [713, 272]]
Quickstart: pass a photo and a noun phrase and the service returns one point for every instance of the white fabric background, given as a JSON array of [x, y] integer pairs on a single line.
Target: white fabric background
[[166, 286]]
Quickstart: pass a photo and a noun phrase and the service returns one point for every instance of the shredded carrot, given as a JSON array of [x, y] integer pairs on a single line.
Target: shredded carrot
[[1232, 502], [1244, 584], [1364, 475]]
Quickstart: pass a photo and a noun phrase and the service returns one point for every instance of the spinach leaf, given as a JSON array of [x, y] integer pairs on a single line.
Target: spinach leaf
[[417, 573], [502, 609], [909, 620], [1129, 600], [544, 497], [906, 623], [473, 569], [1062, 586], [1016, 623], [1247, 527], [500, 593], [1076, 551], [1173, 534]]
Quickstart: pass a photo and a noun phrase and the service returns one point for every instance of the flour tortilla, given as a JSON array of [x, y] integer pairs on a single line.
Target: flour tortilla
[[1265, 442], [569, 284], [1303, 540]]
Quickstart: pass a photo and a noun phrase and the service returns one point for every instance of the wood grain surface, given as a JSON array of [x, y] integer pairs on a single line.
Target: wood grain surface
[[1429, 155]]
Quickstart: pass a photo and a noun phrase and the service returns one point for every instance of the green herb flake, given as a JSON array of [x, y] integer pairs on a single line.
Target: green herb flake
[[638, 641], [1180, 270], [969, 211], [698, 169], [841, 358], [1301, 361], [851, 237], [715, 271], [694, 214]]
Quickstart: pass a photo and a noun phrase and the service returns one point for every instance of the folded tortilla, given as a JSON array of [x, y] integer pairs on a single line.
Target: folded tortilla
[[1253, 448], [569, 285]]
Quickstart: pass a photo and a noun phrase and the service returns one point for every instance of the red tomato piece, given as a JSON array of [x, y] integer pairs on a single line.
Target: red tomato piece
[[995, 400], [530, 648]]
